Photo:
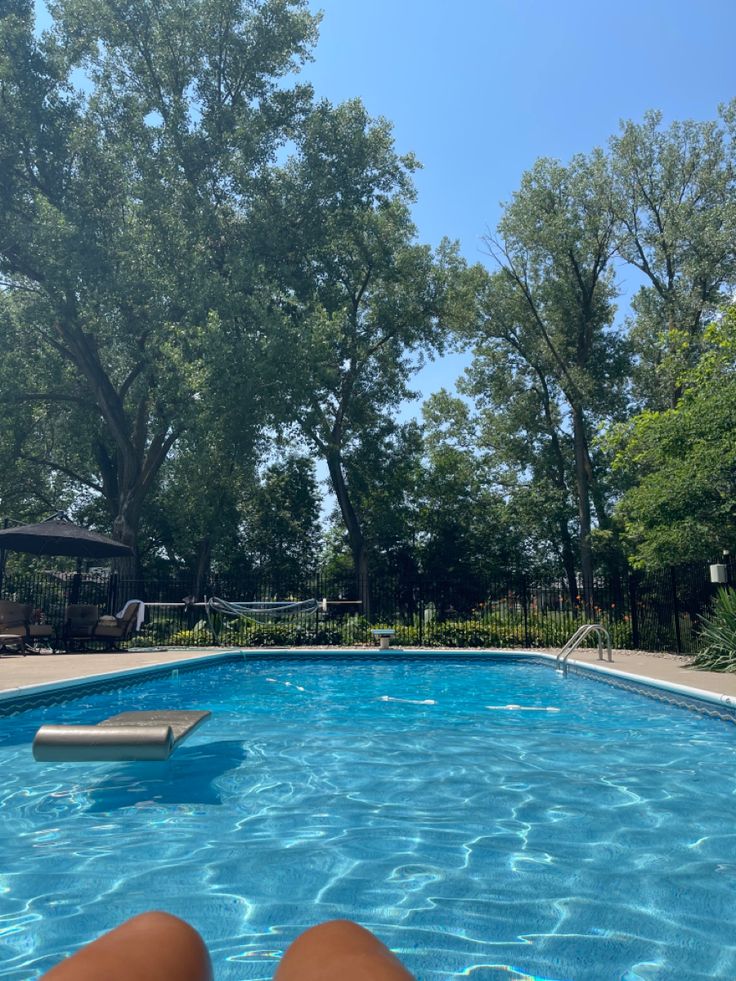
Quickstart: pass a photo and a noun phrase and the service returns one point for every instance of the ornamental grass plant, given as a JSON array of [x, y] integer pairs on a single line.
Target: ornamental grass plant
[[718, 634]]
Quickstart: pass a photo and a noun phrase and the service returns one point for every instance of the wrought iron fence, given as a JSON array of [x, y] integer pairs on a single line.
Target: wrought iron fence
[[657, 611]]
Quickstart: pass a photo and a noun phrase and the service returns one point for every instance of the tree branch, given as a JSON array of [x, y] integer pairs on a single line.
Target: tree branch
[[51, 465]]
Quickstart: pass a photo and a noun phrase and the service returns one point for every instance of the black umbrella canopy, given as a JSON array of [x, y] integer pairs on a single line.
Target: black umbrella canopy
[[57, 537]]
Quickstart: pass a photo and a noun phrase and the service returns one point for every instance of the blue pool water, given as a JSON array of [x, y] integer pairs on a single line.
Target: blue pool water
[[591, 843]]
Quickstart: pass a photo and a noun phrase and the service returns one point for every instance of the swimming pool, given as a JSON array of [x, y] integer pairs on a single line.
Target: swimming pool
[[590, 843]]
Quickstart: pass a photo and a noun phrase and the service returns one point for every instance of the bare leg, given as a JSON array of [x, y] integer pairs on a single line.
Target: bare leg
[[150, 947], [339, 951]]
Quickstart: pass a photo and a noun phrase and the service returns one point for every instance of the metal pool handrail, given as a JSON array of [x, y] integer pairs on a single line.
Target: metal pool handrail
[[579, 636]]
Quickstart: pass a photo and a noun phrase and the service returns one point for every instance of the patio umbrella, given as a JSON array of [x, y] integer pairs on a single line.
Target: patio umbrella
[[60, 537], [57, 536]]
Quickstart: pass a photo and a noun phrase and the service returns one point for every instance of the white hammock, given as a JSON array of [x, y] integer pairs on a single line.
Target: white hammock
[[258, 612]]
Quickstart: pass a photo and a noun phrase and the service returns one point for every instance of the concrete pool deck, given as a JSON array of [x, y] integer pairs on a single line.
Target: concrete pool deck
[[36, 671], [46, 670], [670, 669]]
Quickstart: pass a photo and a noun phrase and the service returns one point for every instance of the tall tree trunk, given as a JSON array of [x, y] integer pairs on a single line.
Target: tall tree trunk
[[127, 475], [125, 530], [568, 557], [204, 558], [568, 562], [582, 480], [354, 531]]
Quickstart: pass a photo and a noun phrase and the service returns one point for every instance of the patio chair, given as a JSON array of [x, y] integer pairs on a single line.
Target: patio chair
[[84, 624], [43, 634], [15, 619], [12, 625], [81, 620], [113, 630]]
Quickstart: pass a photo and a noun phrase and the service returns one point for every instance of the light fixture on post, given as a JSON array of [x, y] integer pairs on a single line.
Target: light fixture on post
[[719, 571]]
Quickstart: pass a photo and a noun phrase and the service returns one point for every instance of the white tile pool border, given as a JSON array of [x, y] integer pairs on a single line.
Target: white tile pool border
[[584, 667]]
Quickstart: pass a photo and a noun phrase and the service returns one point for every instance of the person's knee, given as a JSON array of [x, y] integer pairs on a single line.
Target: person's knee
[[339, 949], [156, 923], [158, 930], [155, 946], [338, 932]]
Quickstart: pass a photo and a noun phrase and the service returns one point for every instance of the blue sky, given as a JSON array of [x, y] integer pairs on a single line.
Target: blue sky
[[478, 89]]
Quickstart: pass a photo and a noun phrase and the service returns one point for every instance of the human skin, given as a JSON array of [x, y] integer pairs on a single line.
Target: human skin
[[151, 947], [339, 950], [160, 947]]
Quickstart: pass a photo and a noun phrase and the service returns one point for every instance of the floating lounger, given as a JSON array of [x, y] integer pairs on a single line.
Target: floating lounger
[[128, 736]]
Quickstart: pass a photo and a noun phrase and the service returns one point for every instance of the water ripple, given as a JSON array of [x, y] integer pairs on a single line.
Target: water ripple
[[588, 844]]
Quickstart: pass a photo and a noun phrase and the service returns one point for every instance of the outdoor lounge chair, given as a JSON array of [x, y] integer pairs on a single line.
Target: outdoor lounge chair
[[81, 620], [84, 623], [15, 618], [119, 628]]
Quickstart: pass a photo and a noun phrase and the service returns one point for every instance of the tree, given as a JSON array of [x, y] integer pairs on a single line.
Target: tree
[[192, 522], [681, 462], [385, 466], [361, 301], [282, 534], [520, 412], [675, 204], [27, 492], [550, 309], [465, 531], [123, 209]]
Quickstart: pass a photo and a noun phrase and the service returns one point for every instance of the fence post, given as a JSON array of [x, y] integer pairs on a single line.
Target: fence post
[[112, 591], [634, 609], [2, 559], [420, 609], [525, 607], [676, 611]]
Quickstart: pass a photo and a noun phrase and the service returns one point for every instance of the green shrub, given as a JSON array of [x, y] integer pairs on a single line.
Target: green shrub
[[140, 640], [497, 630], [718, 634], [199, 636]]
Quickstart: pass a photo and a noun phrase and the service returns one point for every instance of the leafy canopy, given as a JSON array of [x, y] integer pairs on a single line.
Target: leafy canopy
[[681, 462]]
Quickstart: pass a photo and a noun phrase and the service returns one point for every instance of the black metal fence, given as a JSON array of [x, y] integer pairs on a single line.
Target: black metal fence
[[657, 611]]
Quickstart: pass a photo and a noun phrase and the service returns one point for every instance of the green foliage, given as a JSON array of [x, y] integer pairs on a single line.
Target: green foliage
[[281, 534], [175, 287], [465, 529], [549, 369], [124, 246], [384, 467], [718, 634], [246, 633], [486, 631], [362, 302], [675, 204], [680, 463], [498, 630]]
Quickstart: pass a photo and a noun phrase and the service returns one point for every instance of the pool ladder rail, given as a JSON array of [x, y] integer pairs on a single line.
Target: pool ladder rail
[[576, 640]]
